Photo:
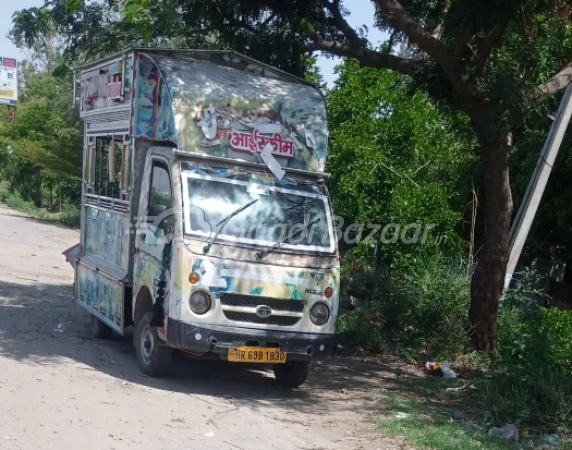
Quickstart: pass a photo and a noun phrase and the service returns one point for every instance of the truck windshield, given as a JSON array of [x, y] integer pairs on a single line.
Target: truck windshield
[[298, 220]]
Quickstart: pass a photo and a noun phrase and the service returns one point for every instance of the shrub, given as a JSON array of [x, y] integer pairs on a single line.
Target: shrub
[[435, 292], [556, 328], [71, 216], [421, 307], [532, 368]]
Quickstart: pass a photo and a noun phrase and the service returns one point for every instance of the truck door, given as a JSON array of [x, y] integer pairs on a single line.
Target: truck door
[[154, 234]]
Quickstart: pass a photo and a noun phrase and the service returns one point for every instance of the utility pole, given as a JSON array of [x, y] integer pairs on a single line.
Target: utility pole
[[525, 216], [11, 114]]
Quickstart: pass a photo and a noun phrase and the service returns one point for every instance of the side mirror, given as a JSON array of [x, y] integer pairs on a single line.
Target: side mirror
[[153, 213]]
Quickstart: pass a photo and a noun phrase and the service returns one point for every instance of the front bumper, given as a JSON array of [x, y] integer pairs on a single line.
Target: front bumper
[[215, 339]]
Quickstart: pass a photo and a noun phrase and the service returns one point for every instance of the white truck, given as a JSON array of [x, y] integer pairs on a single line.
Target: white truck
[[206, 222]]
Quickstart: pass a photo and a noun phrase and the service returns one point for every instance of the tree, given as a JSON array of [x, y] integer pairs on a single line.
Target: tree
[[93, 29], [46, 140], [494, 61], [44, 146], [396, 160]]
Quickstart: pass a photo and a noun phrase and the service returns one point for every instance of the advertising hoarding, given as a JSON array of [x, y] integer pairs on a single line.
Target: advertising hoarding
[[8, 81]]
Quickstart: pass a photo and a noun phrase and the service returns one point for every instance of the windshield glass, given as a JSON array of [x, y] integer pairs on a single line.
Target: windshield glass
[[300, 220]]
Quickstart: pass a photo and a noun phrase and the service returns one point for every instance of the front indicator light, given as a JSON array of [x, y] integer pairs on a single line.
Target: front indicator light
[[328, 292], [194, 278]]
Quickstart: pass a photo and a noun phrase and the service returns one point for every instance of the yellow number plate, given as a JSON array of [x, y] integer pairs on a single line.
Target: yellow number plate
[[257, 355]]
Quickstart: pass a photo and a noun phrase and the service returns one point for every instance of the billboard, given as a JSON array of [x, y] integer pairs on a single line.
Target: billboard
[[8, 81]]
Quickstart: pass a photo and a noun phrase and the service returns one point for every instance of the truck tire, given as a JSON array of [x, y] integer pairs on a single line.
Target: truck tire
[[153, 357], [98, 329], [292, 373]]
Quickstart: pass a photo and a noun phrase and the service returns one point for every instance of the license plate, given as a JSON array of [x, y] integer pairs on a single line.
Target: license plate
[[256, 355]]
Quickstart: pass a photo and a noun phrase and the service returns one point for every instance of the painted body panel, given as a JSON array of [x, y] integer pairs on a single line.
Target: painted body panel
[[107, 236], [220, 276], [150, 264], [153, 113], [106, 86], [100, 295], [220, 105], [227, 268]]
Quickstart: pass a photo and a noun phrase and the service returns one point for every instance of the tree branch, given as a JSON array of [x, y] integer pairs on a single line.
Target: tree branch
[[437, 33], [429, 45], [391, 41], [557, 83], [485, 48], [365, 56], [464, 39], [346, 29], [239, 23], [268, 20], [416, 34]]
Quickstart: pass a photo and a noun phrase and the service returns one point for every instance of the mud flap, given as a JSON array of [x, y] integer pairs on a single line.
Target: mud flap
[[72, 253]]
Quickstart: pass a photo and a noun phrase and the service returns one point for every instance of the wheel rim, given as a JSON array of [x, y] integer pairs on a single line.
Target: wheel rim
[[147, 345]]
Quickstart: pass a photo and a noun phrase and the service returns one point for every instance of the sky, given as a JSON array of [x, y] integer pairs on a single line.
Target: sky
[[362, 13], [6, 48]]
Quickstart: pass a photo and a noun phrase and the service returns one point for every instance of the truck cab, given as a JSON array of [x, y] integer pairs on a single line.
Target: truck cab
[[206, 220]]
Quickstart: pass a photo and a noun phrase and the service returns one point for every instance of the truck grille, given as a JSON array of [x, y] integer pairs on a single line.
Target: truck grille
[[284, 321], [253, 301]]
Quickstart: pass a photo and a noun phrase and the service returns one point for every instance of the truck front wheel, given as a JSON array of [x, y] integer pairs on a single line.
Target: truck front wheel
[[292, 373], [153, 356]]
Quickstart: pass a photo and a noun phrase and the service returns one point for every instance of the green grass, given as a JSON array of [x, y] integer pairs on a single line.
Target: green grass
[[426, 428], [70, 216], [426, 420]]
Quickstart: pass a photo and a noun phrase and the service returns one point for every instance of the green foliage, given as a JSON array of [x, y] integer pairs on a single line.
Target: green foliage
[[23, 176], [556, 326], [267, 36], [437, 433], [529, 40], [41, 154], [396, 159], [532, 367], [531, 336], [70, 216], [313, 74], [420, 308], [426, 423], [48, 131]]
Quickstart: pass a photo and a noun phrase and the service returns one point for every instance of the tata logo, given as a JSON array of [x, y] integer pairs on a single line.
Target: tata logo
[[263, 311]]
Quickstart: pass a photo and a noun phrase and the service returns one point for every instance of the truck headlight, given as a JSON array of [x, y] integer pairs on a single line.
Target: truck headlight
[[319, 313], [200, 302]]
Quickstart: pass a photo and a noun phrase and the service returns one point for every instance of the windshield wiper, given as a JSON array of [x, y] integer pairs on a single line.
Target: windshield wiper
[[262, 253], [224, 221]]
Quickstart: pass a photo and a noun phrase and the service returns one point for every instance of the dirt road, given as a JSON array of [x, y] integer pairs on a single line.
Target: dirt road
[[59, 389]]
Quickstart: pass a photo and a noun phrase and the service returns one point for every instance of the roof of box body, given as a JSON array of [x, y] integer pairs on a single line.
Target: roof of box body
[[215, 103], [197, 54]]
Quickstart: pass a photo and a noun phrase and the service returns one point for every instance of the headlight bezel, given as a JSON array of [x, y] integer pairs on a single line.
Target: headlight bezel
[[313, 317], [209, 302]]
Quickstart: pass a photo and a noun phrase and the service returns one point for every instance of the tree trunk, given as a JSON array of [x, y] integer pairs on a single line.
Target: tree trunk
[[488, 279]]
